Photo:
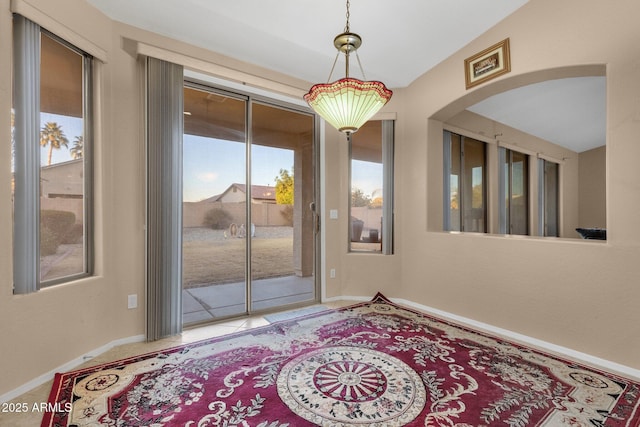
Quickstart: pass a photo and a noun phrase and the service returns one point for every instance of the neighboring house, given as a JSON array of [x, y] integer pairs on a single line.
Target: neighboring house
[[61, 188], [265, 210], [236, 193], [62, 180]]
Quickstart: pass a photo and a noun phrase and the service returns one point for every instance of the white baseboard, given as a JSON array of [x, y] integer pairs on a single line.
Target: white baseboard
[[67, 367], [346, 298], [545, 346]]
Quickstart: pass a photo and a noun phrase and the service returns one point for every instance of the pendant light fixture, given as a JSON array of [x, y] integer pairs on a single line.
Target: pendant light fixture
[[347, 103]]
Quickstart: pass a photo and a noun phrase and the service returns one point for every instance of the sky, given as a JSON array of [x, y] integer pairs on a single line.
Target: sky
[[210, 165], [367, 176], [71, 126]]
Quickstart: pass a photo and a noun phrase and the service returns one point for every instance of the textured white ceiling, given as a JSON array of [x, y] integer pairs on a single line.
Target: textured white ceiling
[[401, 41]]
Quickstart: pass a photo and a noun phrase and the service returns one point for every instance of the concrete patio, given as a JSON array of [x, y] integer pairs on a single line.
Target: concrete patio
[[206, 303]]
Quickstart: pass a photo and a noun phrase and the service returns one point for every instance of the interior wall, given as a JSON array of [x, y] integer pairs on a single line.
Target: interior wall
[[47, 329], [593, 191], [568, 292], [575, 294], [357, 273]]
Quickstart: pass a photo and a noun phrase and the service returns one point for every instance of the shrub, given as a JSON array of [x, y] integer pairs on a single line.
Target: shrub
[[59, 223], [287, 214], [218, 219], [49, 242], [75, 234]]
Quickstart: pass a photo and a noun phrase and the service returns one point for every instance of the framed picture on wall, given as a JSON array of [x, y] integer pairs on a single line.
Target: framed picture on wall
[[488, 64]]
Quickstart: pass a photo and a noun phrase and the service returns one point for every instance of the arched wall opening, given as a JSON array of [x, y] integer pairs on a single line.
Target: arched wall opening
[[571, 204]]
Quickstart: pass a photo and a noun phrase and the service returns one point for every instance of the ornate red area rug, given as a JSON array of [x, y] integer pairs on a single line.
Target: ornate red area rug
[[370, 364]]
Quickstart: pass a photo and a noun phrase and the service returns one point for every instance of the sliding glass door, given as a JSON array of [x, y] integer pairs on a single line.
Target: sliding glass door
[[214, 180], [283, 233], [248, 181]]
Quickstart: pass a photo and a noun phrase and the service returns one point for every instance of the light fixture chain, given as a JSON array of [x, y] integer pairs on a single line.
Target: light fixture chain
[[346, 28], [347, 103]]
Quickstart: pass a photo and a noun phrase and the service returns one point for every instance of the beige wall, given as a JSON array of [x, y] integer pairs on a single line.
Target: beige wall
[[45, 330], [593, 190], [568, 292]]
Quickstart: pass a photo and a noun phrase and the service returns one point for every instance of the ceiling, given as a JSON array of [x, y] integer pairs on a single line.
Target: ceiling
[[569, 112], [400, 44]]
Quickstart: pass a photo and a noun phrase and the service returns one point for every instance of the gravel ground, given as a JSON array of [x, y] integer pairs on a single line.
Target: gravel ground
[[193, 234]]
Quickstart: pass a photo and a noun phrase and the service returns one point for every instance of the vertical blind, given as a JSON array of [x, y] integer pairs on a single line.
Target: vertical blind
[[165, 100], [26, 239]]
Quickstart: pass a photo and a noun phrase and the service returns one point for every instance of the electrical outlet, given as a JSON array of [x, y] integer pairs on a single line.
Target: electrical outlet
[[332, 273], [132, 301]]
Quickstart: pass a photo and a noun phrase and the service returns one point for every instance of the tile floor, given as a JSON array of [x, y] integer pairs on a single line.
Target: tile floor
[[41, 393]]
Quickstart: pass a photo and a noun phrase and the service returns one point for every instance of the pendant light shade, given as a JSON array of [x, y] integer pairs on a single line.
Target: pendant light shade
[[347, 103]]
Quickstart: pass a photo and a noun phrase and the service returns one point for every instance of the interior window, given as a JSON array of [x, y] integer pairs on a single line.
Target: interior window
[[548, 173], [514, 192], [464, 184]]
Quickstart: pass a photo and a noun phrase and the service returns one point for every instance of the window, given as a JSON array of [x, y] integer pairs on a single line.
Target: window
[[548, 197], [464, 184], [514, 192], [51, 161], [371, 185]]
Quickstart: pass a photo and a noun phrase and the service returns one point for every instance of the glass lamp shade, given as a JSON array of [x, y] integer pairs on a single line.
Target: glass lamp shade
[[348, 103]]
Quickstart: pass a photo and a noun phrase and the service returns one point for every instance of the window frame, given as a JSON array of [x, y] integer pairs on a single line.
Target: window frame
[[506, 212], [388, 179], [446, 190], [543, 197], [26, 100]]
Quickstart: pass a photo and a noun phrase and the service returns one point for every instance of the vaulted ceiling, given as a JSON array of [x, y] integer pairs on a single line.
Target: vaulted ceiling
[[401, 41]]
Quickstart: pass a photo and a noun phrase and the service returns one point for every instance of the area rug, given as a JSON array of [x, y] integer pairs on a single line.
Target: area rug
[[370, 364]]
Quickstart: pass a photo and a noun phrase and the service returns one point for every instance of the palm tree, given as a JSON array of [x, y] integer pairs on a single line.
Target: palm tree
[[53, 136], [78, 147]]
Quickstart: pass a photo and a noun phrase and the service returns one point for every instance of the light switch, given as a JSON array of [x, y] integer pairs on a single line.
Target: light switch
[[333, 213]]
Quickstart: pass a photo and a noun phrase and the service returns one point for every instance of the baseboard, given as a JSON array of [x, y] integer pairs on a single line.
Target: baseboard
[[36, 382], [541, 345], [346, 298]]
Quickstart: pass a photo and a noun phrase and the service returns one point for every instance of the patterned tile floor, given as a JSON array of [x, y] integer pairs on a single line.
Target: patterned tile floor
[[41, 393]]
